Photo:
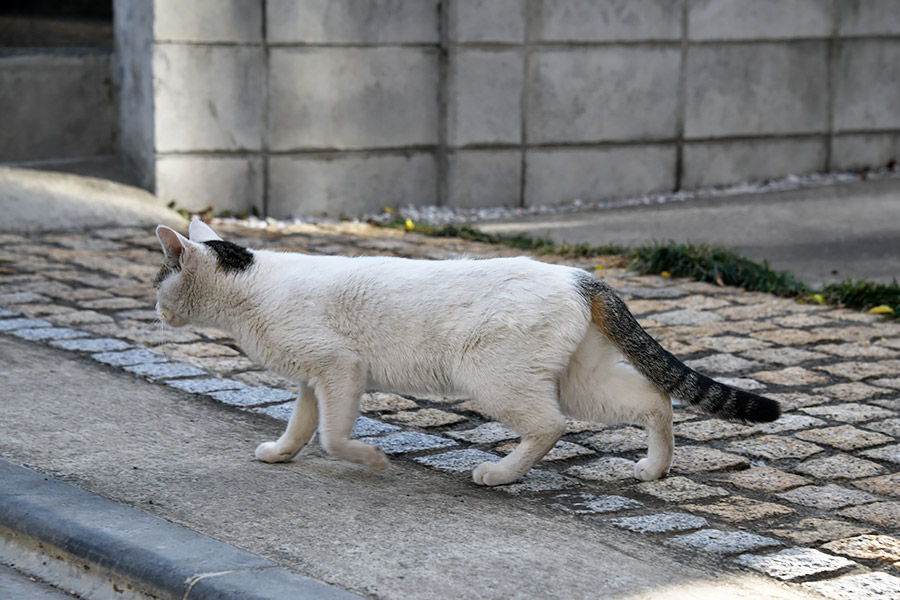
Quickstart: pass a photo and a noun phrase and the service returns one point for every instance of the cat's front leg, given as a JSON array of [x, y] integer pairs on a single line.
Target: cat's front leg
[[338, 393], [300, 429]]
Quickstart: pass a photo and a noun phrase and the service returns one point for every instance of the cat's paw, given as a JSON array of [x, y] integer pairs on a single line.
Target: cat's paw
[[491, 473], [647, 471], [376, 460], [270, 453]]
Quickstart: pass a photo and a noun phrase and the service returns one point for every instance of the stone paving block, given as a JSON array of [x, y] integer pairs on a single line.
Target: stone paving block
[[660, 523], [792, 376], [266, 379], [889, 403], [282, 412], [539, 481], [813, 531], [880, 548], [883, 514], [774, 447], [795, 563], [716, 541], [205, 386], [712, 429], [857, 350], [426, 418], [4, 313], [852, 392], [365, 426], [91, 345], [687, 316], [700, 459], [742, 383], [625, 439], [79, 317], [886, 485], [858, 371], [608, 469], [826, 497], [252, 396], [678, 489], [867, 586], [165, 370], [112, 303], [590, 504], [383, 402], [561, 450], [839, 466], [733, 343], [202, 350], [574, 426], [851, 412], [844, 437], [22, 298], [129, 357], [801, 320], [457, 461], [888, 453], [488, 433], [223, 364], [764, 479], [37, 334], [790, 422], [784, 356], [890, 382], [737, 509], [12, 324], [409, 441], [796, 400], [722, 363]]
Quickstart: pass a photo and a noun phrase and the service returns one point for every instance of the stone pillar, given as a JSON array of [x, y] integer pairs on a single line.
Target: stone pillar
[[192, 85]]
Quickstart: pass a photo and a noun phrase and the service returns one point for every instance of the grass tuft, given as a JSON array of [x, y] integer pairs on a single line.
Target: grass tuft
[[696, 261], [715, 265]]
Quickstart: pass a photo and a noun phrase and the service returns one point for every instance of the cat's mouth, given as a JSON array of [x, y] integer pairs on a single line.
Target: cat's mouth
[[168, 317]]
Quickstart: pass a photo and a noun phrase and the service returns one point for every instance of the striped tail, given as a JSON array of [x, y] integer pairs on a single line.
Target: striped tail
[[665, 371]]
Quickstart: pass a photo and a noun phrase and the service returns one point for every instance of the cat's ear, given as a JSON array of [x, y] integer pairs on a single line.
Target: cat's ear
[[199, 231], [172, 242]]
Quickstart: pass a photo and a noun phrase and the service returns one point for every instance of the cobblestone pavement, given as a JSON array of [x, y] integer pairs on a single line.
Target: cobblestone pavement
[[812, 499]]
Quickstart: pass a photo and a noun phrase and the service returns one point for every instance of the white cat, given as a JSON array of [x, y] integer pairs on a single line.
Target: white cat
[[529, 342]]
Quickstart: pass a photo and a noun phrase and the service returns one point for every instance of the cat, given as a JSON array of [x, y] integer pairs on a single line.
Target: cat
[[531, 343]]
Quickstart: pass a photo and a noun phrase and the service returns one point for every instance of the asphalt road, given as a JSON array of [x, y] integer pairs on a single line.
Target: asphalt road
[[821, 235]]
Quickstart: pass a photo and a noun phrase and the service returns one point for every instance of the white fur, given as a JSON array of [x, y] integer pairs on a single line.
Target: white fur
[[514, 334]]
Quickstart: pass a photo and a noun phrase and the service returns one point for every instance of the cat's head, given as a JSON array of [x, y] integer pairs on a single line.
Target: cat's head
[[196, 273]]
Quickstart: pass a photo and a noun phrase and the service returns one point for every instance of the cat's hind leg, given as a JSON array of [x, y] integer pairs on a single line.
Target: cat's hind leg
[[300, 429], [660, 443], [532, 413], [338, 393]]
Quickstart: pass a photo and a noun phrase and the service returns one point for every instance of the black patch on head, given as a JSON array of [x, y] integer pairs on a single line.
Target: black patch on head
[[164, 272], [231, 257]]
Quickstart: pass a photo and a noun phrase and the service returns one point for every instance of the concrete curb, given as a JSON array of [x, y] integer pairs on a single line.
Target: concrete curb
[[96, 546]]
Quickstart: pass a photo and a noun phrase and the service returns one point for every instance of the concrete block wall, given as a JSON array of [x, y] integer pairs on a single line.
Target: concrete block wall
[[342, 107]]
